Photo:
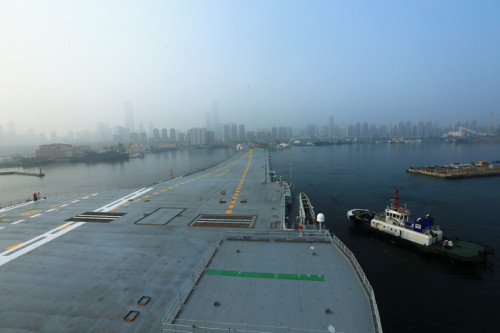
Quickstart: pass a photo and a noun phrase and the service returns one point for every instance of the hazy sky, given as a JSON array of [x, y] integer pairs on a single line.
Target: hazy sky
[[68, 64]]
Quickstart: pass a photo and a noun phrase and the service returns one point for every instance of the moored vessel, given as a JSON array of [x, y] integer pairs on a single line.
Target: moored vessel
[[420, 233]]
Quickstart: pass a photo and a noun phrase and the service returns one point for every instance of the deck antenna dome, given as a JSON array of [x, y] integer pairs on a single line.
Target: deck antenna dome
[[321, 219]]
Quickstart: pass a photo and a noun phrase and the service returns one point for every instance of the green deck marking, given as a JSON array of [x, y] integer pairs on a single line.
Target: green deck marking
[[303, 277]]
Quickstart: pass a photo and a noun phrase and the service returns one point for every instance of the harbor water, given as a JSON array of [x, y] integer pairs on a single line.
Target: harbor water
[[83, 178], [414, 292]]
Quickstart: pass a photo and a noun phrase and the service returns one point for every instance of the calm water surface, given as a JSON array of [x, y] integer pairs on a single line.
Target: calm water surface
[[414, 292], [82, 178]]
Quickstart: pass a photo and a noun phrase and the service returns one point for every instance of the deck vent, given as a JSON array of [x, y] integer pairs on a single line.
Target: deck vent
[[224, 221], [100, 217]]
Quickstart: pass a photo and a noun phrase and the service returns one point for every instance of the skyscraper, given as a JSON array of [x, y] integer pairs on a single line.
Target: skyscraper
[[242, 133], [330, 126], [129, 116]]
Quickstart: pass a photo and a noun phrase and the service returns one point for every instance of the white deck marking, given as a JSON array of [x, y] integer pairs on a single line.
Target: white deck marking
[[50, 210], [123, 200], [17, 222], [37, 241], [33, 243], [36, 215], [15, 206]]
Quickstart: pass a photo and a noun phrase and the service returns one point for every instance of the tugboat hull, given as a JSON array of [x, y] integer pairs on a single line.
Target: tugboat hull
[[461, 251]]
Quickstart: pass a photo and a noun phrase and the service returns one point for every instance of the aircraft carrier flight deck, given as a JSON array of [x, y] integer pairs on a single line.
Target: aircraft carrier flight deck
[[202, 252]]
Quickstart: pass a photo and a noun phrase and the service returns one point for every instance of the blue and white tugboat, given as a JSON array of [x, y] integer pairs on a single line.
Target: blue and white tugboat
[[421, 232]]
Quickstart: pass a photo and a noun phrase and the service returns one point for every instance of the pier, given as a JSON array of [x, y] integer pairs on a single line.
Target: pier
[[22, 173], [457, 171]]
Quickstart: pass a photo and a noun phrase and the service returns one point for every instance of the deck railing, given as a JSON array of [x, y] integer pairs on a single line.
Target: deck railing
[[362, 276], [190, 326], [187, 287]]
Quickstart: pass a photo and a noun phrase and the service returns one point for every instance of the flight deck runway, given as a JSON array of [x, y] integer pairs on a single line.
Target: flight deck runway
[[115, 261]]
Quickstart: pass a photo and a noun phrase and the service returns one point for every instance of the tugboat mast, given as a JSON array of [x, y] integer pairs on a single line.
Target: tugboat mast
[[395, 201]]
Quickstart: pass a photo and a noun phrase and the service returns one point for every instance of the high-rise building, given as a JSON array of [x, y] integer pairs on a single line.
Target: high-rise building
[[234, 133], [143, 138], [428, 129], [172, 135], [357, 130], [216, 126], [164, 135], [226, 138], [103, 132], [473, 125], [364, 130], [420, 129], [283, 133], [311, 130], [407, 131], [129, 116], [330, 126], [156, 135], [274, 133], [242, 133]]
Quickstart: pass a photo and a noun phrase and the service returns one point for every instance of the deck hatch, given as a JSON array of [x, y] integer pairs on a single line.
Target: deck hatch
[[160, 216], [224, 221], [101, 217]]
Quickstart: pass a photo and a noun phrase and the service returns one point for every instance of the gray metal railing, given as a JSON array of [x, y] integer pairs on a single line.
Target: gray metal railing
[[184, 325], [178, 302], [362, 276]]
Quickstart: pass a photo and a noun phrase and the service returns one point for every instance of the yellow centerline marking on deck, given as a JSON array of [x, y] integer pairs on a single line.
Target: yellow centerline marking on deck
[[137, 200], [31, 212], [69, 225], [155, 193], [114, 208], [163, 190], [147, 196], [235, 195], [126, 204], [176, 185], [13, 246], [171, 187]]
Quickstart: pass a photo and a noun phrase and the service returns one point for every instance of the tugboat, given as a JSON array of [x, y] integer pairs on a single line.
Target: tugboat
[[420, 233]]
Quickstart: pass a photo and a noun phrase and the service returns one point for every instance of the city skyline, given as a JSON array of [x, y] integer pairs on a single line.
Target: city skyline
[[230, 132], [66, 65]]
